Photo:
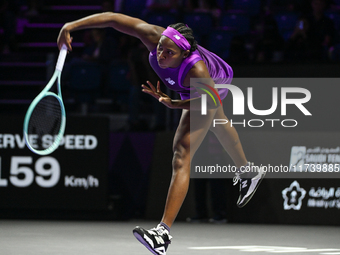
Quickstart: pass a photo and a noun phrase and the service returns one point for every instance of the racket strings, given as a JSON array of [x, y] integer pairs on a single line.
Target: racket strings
[[45, 122]]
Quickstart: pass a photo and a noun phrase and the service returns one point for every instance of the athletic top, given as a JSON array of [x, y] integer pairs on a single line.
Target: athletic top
[[173, 78]]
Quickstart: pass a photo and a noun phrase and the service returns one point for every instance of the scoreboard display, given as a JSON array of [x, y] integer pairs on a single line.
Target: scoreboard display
[[72, 177]]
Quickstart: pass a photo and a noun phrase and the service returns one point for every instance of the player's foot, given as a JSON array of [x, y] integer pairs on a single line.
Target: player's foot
[[250, 180], [156, 239]]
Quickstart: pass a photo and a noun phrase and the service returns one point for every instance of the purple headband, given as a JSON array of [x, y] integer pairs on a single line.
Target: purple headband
[[177, 37]]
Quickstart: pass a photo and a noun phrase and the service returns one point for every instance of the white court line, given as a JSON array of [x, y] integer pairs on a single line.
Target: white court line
[[307, 250], [220, 247], [247, 248], [274, 249], [242, 247], [331, 253], [267, 249]]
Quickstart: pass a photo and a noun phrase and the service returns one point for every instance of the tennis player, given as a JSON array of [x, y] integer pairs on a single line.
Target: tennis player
[[176, 58]]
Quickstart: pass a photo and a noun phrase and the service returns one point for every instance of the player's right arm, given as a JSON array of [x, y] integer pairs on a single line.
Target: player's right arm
[[147, 33]]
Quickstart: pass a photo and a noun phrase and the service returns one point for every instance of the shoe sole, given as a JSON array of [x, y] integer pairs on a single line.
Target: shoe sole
[[142, 241], [252, 194]]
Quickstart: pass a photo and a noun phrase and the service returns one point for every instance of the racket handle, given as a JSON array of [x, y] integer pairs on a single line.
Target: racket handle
[[61, 58]]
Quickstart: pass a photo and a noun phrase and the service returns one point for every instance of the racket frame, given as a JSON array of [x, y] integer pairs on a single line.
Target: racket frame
[[45, 92]]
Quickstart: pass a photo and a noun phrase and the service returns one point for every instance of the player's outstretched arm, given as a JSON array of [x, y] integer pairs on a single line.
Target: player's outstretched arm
[[147, 33]]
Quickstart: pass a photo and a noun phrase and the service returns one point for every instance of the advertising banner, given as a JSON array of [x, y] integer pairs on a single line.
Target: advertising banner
[[294, 201], [72, 177]]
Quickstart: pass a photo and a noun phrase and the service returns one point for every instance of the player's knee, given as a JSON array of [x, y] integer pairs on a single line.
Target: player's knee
[[221, 126], [180, 159]]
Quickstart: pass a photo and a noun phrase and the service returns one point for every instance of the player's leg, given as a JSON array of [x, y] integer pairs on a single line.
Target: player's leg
[[228, 137], [186, 142], [250, 177]]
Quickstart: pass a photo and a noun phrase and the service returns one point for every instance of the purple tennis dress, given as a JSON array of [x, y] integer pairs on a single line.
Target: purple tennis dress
[[173, 78]]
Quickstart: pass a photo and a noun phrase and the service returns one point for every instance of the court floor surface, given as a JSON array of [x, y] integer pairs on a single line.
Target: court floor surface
[[19, 237]]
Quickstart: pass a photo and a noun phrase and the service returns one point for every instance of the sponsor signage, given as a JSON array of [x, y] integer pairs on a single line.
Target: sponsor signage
[[315, 159], [295, 196], [306, 190]]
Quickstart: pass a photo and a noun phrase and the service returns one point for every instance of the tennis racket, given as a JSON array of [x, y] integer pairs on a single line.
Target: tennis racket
[[45, 120]]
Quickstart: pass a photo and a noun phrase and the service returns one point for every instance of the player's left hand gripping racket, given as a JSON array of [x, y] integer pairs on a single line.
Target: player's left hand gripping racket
[[45, 119]]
